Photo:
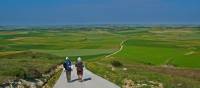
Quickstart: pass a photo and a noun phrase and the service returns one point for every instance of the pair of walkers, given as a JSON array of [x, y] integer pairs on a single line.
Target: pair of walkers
[[69, 67]]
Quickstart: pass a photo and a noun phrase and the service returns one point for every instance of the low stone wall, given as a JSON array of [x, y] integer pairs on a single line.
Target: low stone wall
[[34, 83]]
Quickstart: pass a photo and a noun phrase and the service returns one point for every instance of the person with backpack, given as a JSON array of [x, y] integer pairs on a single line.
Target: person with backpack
[[79, 67], [68, 68]]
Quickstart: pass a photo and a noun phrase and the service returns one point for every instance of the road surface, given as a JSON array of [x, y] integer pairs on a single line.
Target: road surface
[[90, 81]]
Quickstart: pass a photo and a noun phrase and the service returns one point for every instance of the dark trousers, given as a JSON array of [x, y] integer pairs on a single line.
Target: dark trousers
[[68, 75]]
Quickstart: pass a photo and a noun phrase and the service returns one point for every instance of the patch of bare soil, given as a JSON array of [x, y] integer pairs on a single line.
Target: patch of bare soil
[[189, 53], [127, 83], [7, 33], [15, 39], [171, 31]]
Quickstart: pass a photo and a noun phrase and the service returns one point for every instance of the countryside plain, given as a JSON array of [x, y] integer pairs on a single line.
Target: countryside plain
[[146, 57]]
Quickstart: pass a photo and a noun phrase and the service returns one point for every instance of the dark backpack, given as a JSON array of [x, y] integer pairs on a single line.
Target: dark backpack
[[67, 65]]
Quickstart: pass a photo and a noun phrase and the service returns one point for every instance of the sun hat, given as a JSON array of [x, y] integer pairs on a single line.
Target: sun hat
[[67, 58], [79, 59]]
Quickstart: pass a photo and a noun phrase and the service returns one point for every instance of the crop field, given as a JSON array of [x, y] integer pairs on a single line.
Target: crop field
[[166, 55], [73, 52], [160, 53]]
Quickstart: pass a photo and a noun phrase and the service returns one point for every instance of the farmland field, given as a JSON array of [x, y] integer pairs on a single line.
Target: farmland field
[[160, 53], [169, 56]]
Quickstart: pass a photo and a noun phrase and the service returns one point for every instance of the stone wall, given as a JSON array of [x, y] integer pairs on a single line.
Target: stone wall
[[34, 83]]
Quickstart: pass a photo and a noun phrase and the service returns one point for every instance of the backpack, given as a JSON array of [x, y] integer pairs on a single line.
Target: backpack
[[67, 65]]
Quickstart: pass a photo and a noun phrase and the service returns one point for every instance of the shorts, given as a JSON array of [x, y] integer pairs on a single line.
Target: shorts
[[80, 72]]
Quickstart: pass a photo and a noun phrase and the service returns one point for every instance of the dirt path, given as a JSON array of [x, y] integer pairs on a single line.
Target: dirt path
[[90, 81], [120, 49]]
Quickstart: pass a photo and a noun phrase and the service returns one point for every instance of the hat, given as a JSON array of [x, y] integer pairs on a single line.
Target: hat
[[67, 58], [79, 59]]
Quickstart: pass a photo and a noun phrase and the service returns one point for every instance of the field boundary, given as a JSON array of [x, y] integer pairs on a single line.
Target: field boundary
[[120, 49]]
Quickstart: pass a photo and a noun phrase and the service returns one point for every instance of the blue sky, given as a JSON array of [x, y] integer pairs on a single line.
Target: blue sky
[[61, 12]]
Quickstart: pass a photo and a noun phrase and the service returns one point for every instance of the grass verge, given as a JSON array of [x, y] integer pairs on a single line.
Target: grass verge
[[51, 82]]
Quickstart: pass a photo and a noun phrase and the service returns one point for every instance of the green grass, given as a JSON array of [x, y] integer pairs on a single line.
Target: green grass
[[52, 81], [24, 51], [158, 53], [22, 64], [39, 50], [145, 53], [6, 36], [139, 74], [77, 52]]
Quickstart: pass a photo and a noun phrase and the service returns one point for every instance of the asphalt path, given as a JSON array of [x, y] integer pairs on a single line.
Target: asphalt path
[[90, 80]]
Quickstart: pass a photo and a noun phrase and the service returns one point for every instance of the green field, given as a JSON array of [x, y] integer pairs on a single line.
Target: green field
[[77, 52], [160, 53], [167, 55]]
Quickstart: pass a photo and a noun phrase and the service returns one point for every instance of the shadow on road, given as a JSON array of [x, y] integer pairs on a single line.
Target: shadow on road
[[86, 79], [74, 80]]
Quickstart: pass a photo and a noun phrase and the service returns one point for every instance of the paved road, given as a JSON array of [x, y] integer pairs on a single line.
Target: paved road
[[90, 81]]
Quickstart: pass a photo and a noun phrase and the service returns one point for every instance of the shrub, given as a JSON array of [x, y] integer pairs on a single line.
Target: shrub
[[33, 56], [116, 63], [33, 73], [20, 73]]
